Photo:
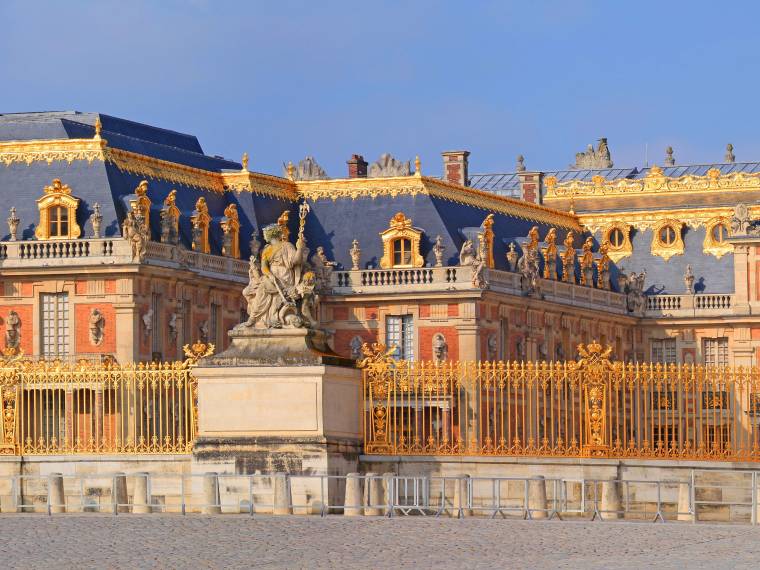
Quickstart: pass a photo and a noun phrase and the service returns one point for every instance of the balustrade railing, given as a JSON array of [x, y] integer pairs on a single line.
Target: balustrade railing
[[686, 305], [590, 408]]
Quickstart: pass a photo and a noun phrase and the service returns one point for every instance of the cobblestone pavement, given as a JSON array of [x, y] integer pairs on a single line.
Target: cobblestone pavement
[[194, 541]]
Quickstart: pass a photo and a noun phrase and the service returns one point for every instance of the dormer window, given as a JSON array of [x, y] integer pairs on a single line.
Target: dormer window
[[401, 244], [58, 213], [667, 240]]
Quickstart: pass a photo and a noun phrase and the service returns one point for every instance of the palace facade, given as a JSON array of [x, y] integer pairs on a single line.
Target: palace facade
[[126, 241]]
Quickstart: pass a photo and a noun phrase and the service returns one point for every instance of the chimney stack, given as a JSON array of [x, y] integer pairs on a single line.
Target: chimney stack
[[357, 166], [456, 166]]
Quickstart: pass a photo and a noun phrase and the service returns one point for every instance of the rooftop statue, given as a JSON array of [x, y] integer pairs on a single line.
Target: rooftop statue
[[307, 169], [387, 166], [593, 159]]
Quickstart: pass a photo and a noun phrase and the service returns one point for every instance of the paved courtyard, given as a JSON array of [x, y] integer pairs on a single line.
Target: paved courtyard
[[173, 541]]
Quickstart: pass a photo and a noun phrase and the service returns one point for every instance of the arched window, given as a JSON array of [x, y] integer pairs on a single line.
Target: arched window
[[618, 237], [719, 233], [58, 212], [402, 252], [667, 240], [716, 238], [667, 235]]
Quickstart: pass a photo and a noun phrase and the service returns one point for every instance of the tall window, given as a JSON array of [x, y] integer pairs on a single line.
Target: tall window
[[213, 326], [187, 325], [399, 332], [59, 221], [664, 350], [715, 351], [157, 332], [55, 324], [402, 252]]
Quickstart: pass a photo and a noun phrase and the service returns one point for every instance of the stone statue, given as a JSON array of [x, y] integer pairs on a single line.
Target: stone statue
[[356, 347], [356, 255], [527, 266], [634, 291], [172, 324], [594, 159], [568, 259], [134, 231], [323, 269], [169, 220], [669, 160], [603, 267], [244, 162], [467, 253], [203, 330], [13, 222], [97, 323], [96, 219], [12, 330], [387, 166], [440, 349], [512, 256], [492, 347], [255, 244], [729, 157], [197, 236], [550, 255], [688, 280], [147, 320], [438, 250], [520, 166], [587, 263], [307, 169], [280, 292]]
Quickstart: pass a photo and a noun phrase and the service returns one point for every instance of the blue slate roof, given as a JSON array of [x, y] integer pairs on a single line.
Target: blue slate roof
[[105, 184]]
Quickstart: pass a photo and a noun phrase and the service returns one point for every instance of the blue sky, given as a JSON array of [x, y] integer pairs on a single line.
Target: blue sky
[[285, 79]]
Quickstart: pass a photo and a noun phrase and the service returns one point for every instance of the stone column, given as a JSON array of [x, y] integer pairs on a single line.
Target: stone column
[[684, 502], [373, 495], [611, 503], [469, 412], [211, 504], [56, 496], [127, 333], [119, 493], [140, 503], [741, 280], [537, 504], [282, 496], [353, 500]]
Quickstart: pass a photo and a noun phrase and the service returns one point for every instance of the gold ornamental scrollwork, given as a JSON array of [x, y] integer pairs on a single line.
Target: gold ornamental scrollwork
[[378, 370], [593, 370], [667, 238]]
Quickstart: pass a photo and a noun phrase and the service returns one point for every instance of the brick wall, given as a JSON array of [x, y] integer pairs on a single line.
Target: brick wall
[[426, 335], [82, 342]]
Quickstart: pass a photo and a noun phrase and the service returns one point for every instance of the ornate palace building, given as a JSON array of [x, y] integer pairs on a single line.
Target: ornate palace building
[[126, 241]]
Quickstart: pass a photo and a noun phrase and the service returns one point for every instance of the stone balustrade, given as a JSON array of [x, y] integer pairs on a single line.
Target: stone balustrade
[[700, 305], [459, 278], [116, 251]]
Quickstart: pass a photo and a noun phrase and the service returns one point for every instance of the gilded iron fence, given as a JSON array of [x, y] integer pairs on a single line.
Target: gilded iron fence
[[592, 407], [55, 407]]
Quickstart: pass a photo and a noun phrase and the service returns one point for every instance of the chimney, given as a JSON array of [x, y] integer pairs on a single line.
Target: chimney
[[456, 166], [357, 166], [530, 186]]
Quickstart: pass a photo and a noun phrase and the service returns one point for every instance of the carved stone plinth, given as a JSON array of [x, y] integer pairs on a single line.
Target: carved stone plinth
[[277, 347]]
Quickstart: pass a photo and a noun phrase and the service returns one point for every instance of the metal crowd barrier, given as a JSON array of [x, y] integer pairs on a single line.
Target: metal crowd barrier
[[708, 495]]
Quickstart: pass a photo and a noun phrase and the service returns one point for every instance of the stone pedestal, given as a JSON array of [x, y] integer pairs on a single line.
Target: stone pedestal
[[279, 401]]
